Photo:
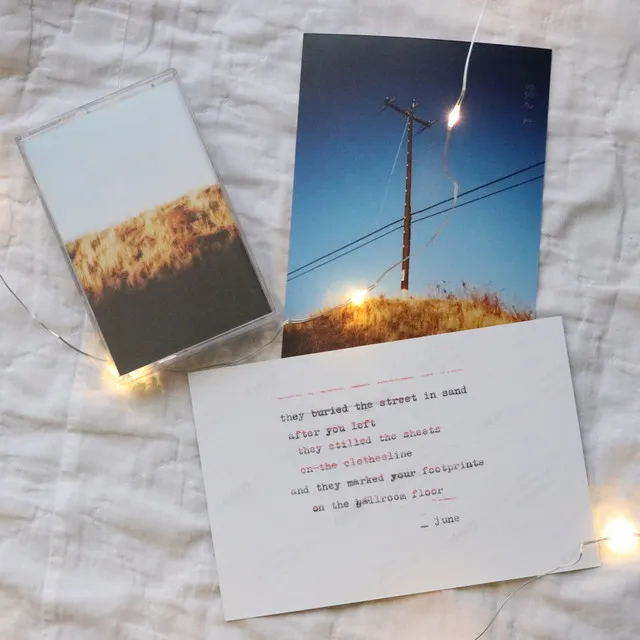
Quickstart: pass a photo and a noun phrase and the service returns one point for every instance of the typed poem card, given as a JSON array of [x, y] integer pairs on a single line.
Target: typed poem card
[[393, 469]]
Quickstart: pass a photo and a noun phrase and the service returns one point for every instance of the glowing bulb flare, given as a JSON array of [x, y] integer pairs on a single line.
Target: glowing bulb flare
[[358, 297], [621, 536], [454, 116]]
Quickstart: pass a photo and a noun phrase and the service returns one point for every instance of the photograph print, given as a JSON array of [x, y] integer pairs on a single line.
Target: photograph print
[[373, 195], [146, 225]]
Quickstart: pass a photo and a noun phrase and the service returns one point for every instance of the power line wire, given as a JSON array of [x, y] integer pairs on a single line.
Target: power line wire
[[421, 219], [398, 220], [393, 168]]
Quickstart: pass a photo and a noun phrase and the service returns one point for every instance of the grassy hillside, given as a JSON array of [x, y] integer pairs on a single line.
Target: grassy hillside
[[168, 278], [386, 319], [156, 244]]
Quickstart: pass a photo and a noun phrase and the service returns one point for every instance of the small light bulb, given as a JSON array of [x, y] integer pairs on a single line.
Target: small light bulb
[[621, 536], [113, 372], [454, 116], [358, 297]]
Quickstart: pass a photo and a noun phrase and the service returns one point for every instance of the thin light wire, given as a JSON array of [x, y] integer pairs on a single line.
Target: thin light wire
[[413, 253], [463, 90], [46, 328], [458, 105], [542, 575], [445, 168]]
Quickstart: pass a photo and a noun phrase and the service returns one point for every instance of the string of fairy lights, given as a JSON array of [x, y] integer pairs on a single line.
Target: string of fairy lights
[[622, 537], [620, 534]]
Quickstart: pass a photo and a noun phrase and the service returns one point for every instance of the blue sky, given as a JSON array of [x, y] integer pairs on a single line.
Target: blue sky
[[119, 160], [346, 147]]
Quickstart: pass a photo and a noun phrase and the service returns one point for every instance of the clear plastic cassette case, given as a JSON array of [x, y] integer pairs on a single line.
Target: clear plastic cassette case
[[146, 226]]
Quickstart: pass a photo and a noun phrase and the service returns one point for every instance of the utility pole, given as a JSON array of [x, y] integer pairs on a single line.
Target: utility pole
[[409, 114]]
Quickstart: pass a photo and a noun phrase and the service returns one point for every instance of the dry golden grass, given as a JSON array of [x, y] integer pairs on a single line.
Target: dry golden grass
[[387, 319], [156, 244]]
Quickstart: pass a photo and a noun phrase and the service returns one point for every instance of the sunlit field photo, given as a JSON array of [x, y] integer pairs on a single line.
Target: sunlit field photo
[[168, 278], [414, 213]]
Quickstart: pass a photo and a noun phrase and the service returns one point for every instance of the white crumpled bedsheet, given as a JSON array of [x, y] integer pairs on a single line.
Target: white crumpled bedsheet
[[103, 525]]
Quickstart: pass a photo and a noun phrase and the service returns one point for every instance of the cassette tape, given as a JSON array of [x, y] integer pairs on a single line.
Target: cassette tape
[[146, 226]]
